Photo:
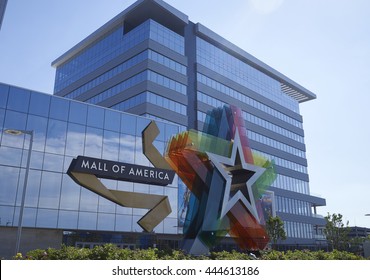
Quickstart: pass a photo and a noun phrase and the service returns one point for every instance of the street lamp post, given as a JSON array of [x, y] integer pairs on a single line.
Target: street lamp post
[[20, 220]]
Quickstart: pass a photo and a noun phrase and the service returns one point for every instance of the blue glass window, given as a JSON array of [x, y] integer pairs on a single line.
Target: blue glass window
[[127, 149], [128, 124], [4, 90], [53, 162], [2, 117], [95, 117], [8, 191], [33, 188], [10, 156], [141, 124], [67, 219], [15, 120], [70, 195], [106, 221], [59, 109], [56, 137], [78, 113], [7, 214], [75, 140], [47, 218], [19, 99], [88, 201], [39, 127], [39, 104], [112, 120], [111, 145], [37, 160], [87, 220], [93, 142], [29, 217], [50, 189], [124, 223]]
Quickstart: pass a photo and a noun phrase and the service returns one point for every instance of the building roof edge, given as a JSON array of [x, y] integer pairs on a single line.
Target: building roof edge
[[115, 22], [301, 94]]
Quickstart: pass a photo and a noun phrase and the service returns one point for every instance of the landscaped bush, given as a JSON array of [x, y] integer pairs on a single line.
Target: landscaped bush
[[111, 252], [309, 255]]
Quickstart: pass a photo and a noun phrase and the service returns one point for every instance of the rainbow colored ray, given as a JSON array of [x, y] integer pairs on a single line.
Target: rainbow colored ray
[[228, 183]]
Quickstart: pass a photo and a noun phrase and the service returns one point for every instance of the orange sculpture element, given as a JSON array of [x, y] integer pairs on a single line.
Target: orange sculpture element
[[218, 167]]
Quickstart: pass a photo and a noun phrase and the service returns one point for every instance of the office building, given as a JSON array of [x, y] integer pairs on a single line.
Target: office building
[[149, 62], [2, 10]]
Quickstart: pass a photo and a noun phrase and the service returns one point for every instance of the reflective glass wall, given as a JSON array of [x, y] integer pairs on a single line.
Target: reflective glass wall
[[64, 129], [273, 123]]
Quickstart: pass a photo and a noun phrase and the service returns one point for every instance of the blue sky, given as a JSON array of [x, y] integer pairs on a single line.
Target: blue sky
[[322, 44]]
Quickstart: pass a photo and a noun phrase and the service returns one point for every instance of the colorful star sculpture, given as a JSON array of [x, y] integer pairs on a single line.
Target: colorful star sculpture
[[228, 183]]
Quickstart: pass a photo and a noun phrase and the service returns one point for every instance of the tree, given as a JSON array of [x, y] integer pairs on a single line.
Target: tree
[[336, 231], [275, 229]]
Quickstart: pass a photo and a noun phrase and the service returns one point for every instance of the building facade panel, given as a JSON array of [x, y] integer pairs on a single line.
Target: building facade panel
[[53, 199]]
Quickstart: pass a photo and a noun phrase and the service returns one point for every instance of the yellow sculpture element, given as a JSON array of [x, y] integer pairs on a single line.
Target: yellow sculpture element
[[149, 134], [159, 205]]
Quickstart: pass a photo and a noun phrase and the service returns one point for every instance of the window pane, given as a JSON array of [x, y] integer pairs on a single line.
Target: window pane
[[70, 195], [75, 139], [39, 127], [39, 104], [94, 142], [87, 220], [88, 201], [50, 189], [111, 143], [95, 116], [127, 149], [10, 156], [8, 185], [56, 137], [4, 89], [106, 222], [53, 162], [47, 218], [128, 124], [124, 223], [2, 117], [78, 113], [112, 120], [170, 226], [19, 99], [7, 214], [59, 109], [15, 120], [33, 188], [29, 217], [67, 220]]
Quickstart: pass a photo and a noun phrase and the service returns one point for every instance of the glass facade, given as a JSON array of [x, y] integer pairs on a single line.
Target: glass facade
[[114, 44], [148, 54], [242, 73], [64, 129], [273, 123]]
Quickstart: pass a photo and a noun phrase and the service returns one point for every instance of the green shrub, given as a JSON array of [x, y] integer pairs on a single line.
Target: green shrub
[[172, 255], [342, 255], [233, 255], [111, 252]]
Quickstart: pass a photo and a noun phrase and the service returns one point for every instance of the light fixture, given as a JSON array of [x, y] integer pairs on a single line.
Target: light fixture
[[16, 132], [13, 132]]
